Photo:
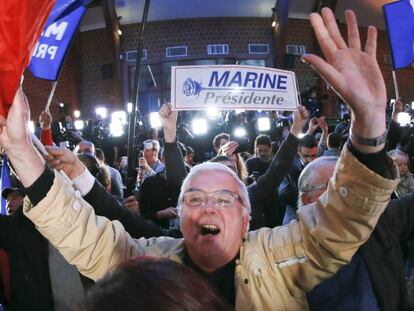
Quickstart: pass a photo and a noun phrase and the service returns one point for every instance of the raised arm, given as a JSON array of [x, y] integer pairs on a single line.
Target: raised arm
[[174, 161], [268, 184]]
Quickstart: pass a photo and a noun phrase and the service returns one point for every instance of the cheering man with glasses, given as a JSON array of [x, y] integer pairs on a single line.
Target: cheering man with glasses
[[266, 269]]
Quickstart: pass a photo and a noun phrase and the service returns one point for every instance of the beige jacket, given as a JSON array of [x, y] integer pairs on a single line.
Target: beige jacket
[[275, 266]]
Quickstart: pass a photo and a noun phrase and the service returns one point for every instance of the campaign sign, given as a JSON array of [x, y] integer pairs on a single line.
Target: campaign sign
[[233, 87], [49, 53]]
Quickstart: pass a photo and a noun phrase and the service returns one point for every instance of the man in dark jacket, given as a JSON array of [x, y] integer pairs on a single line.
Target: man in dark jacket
[[375, 278]]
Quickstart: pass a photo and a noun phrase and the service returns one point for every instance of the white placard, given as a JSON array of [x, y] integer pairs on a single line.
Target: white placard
[[233, 87]]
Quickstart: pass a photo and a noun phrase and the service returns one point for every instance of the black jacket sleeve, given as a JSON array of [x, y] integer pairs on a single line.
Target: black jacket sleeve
[[106, 205], [393, 135], [268, 183], [174, 168]]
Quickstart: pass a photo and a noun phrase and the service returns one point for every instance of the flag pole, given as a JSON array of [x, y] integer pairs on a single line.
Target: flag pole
[[394, 78], [52, 92], [133, 116]]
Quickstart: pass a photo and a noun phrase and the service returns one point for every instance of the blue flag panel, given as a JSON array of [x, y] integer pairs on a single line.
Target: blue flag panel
[[5, 183]]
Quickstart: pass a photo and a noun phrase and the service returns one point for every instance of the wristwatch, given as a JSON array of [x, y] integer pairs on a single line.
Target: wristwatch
[[372, 142]]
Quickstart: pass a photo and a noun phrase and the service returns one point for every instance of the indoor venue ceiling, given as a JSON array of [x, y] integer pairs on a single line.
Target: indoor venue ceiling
[[369, 11]]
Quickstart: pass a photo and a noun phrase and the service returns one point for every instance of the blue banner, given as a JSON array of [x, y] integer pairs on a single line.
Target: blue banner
[[399, 18], [50, 52], [5, 183], [65, 7]]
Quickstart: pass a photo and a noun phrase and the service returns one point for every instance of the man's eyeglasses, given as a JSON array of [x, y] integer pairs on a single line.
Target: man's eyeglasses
[[221, 199], [315, 188]]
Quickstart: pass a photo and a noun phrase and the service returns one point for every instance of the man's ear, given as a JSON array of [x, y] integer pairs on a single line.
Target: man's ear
[[305, 198]]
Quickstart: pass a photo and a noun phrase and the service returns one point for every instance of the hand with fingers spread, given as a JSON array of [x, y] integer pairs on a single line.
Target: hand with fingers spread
[[63, 159], [229, 148], [169, 122], [300, 117], [353, 73]]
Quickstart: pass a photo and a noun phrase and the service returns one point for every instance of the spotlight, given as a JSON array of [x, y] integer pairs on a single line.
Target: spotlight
[[76, 113], [120, 32], [155, 120], [412, 105], [263, 124], [78, 125], [116, 129], [301, 135], [101, 112], [61, 105], [212, 112], [240, 132], [31, 126], [404, 118], [199, 126], [129, 107], [119, 116], [274, 24]]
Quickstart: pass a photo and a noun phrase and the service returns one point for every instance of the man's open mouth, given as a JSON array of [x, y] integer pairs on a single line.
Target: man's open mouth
[[209, 229]]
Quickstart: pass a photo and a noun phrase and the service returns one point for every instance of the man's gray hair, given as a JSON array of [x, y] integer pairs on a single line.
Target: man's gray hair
[[306, 182], [394, 153], [214, 167]]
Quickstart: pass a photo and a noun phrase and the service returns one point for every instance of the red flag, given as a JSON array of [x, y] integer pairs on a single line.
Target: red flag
[[21, 23]]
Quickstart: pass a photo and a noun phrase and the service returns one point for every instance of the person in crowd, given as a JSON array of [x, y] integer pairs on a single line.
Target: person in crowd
[[288, 189], [214, 206], [406, 184], [320, 137], [342, 128], [189, 157], [116, 180], [149, 163], [258, 165], [230, 150], [334, 145], [45, 120], [101, 173], [263, 194], [146, 283], [122, 167], [364, 284], [220, 140], [85, 146], [14, 199]]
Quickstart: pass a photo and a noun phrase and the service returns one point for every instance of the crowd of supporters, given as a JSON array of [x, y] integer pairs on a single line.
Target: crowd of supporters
[[299, 219]]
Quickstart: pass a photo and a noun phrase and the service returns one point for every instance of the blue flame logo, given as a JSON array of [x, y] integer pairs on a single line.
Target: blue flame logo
[[191, 88]]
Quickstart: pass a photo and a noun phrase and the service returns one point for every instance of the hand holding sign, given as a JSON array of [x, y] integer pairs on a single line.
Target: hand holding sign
[[353, 73]]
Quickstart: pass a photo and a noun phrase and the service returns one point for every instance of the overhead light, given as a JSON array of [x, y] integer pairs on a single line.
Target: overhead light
[[240, 132], [263, 124], [119, 116], [274, 24], [78, 125], [31, 126], [404, 118], [120, 32], [199, 126], [412, 105], [301, 135], [102, 112], [116, 129], [155, 120], [61, 105], [129, 107], [76, 113], [212, 112]]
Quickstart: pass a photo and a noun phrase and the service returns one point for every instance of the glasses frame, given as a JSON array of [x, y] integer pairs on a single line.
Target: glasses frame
[[210, 195]]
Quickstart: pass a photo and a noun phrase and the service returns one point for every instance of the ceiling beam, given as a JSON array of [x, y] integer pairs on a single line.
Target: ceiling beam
[[112, 28], [280, 19]]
